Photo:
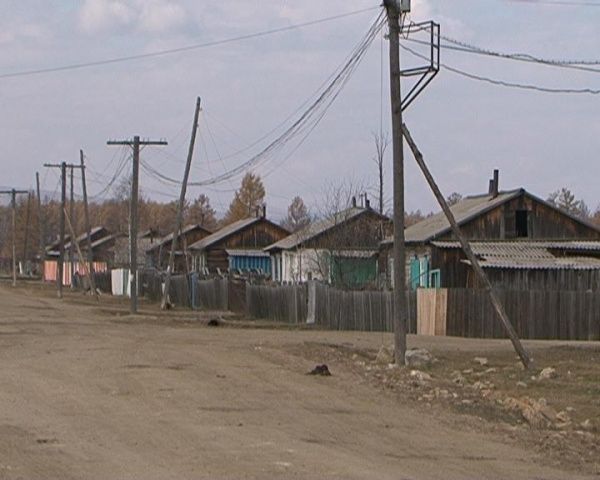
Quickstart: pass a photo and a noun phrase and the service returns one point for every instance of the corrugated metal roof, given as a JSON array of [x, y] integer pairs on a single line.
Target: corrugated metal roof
[[526, 255], [524, 248], [317, 228], [465, 210], [555, 263], [246, 253]]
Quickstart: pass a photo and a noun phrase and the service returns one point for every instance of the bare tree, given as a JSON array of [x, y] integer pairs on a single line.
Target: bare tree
[[381, 143], [454, 198]]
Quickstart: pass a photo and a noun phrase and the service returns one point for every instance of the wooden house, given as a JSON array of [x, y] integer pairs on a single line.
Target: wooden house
[[341, 249], [158, 254], [238, 246], [522, 241]]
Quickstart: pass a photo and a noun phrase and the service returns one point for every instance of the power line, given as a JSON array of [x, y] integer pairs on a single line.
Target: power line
[[505, 83], [159, 53], [309, 119], [572, 3]]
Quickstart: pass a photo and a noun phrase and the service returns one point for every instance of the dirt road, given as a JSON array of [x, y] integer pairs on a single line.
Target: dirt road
[[86, 395]]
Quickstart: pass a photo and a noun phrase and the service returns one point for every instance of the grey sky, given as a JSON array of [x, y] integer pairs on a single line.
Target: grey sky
[[465, 128]]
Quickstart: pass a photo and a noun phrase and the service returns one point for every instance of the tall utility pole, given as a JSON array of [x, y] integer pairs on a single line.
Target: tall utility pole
[[73, 238], [179, 220], [13, 203], [63, 203], [27, 217], [133, 217], [394, 9], [88, 227], [41, 246]]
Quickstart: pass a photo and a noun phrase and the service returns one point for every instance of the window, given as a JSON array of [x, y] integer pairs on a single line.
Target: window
[[521, 223]]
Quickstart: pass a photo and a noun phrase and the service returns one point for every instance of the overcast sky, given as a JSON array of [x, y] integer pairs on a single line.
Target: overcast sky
[[465, 128]]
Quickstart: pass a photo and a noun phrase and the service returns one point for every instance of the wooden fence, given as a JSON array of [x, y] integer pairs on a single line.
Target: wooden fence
[[280, 303], [211, 294], [369, 311], [535, 314]]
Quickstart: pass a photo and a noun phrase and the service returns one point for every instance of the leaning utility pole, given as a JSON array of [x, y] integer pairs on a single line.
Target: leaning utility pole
[[133, 219], [179, 220], [13, 203], [466, 247], [88, 227], [394, 9]]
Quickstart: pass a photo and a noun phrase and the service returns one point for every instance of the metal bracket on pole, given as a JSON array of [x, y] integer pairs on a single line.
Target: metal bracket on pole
[[426, 73]]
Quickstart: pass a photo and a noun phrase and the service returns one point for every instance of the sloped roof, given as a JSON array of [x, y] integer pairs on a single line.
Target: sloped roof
[[226, 231], [319, 227], [529, 255], [184, 230], [465, 210]]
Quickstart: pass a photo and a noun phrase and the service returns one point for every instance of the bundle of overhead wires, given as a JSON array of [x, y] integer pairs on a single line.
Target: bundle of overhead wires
[[305, 122]]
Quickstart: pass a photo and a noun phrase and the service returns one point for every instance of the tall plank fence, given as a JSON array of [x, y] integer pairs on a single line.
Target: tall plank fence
[[368, 311], [535, 314], [280, 303]]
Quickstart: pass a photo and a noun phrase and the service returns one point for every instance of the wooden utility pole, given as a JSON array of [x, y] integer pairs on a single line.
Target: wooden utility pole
[[88, 227], [63, 203], [399, 251], [41, 246], [27, 217], [73, 237], [179, 220], [496, 303], [13, 203], [133, 216]]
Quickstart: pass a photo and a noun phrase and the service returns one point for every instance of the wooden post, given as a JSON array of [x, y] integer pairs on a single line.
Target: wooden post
[[496, 303], [399, 252], [88, 227], [179, 219]]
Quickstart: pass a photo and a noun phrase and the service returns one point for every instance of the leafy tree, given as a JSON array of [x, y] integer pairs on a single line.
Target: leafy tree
[[249, 197], [454, 198], [201, 212], [566, 201], [297, 217]]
